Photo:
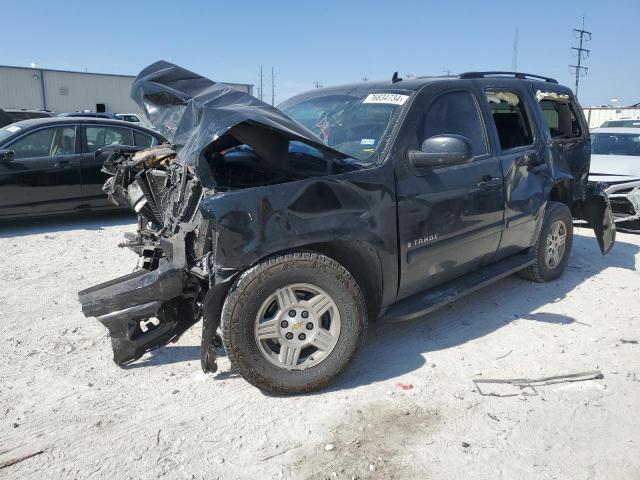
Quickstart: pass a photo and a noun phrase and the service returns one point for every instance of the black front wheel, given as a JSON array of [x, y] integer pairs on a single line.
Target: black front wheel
[[293, 323]]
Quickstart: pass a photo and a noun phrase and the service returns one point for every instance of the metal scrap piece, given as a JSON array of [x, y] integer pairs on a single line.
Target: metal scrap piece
[[525, 383]]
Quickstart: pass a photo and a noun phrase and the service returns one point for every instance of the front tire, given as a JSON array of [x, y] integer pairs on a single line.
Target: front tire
[[293, 323], [553, 247]]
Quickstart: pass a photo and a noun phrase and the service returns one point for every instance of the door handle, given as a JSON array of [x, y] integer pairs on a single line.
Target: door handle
[[488, 181], [62, 164]]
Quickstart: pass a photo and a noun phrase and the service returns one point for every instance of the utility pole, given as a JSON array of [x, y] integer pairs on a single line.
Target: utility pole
[[447, 72], [365, 78], [514, 58], [260, 93], [273, 88], [317, 84], [581, 53]]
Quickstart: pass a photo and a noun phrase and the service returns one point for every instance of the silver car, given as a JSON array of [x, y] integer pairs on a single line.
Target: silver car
[[615, 165]]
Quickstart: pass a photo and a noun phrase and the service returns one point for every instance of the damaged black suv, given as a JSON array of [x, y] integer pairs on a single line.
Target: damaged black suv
[[289, 229]]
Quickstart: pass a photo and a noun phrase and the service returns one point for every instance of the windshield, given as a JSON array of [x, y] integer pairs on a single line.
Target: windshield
[[7, 131], [354, 124], [621, 123], [616, 144]]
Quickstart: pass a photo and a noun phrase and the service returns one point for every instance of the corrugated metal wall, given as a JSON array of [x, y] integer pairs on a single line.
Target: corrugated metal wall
[[69, 91], [20, 88], [596, 116]]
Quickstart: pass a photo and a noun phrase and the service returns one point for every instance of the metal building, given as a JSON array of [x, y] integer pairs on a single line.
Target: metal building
[[67, 91]]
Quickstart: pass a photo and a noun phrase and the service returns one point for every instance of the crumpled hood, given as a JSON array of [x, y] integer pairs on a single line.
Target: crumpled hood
[[193, 111], [618, 165]]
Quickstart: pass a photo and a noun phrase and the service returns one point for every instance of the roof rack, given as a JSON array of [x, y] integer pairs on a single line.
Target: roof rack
[[519, 75]]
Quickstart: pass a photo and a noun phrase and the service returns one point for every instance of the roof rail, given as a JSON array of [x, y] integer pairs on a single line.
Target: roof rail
[[519, 75]]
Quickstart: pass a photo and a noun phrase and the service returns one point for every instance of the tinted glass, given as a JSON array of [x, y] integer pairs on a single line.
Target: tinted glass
[[510, 118], [98, 137], [561, 119], [615, 144], [49, 142], [455, 113], [142, 139]]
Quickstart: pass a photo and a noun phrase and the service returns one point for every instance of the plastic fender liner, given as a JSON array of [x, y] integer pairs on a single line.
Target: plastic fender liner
[[597, 211], [142, 311]]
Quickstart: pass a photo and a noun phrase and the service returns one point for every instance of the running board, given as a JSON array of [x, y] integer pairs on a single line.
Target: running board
[[426, 302]]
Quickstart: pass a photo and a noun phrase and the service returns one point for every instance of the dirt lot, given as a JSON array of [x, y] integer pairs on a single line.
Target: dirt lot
[[61, 393]]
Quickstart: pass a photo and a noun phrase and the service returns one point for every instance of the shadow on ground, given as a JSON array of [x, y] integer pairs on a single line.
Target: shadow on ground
[[85, 221], [393, 350]]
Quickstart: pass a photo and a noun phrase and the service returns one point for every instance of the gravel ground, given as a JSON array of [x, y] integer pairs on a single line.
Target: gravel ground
[[61, 394]]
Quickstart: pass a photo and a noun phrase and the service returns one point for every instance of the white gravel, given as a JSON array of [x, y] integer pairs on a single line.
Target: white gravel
[[61, 393]]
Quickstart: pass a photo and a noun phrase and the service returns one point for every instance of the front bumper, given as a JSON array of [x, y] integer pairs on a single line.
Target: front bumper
[[625, 201], [143, 310]]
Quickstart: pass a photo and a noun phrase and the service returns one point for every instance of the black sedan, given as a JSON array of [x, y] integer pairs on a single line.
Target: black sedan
[[48, 167]]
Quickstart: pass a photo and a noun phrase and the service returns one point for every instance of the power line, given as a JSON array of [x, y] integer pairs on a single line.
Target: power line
[[581, 53]]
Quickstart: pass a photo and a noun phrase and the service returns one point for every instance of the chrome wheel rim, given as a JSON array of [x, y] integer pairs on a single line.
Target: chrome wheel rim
[[297, 326], [555, 248]]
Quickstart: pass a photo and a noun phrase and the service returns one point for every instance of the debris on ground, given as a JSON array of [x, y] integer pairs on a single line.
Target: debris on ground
[[404, 386], [634, 342], [522, 384], [13, 461]]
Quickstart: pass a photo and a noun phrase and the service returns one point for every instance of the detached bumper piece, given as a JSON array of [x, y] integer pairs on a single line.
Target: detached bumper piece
[[142, 311]]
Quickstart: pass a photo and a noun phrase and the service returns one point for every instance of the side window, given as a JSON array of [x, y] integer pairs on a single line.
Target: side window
[[142, 139], [455, 113], [510, 118], [98, 137], [48, 142], [560, 115]]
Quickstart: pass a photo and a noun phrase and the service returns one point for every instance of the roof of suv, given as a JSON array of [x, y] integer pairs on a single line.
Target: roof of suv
[[416, 83]]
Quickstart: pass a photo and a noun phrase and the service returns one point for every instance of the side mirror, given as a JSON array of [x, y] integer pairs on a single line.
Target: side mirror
[[442, 151], [6, 155]]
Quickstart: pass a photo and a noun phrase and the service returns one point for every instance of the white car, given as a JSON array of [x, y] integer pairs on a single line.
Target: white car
[[128, 117], [615, 162]]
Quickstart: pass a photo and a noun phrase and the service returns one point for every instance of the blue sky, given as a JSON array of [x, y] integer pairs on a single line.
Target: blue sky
[[330, 41]]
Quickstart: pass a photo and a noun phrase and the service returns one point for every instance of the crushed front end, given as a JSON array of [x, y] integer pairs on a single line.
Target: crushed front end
[[182, 277], [160, 301]]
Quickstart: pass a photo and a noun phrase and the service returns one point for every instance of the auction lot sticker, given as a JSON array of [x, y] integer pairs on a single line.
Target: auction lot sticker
[[391, 98]]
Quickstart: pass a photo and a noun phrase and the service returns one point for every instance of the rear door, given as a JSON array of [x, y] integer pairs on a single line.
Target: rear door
[[449, 218], [509, 111], [44, 176], [94, 137]]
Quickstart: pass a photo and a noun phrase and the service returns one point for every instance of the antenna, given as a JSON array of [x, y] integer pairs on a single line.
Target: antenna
[[317, 84], [514, 58], [273, 88], [581, 53]]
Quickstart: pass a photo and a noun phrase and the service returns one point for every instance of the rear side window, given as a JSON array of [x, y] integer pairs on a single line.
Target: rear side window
[[98, 137], [48, 142], [510, 118], [560, 115], [142, 139], [455, 113]]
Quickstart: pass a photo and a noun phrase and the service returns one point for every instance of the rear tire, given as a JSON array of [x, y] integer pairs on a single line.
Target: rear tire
[[293, 323], [553, 247]]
